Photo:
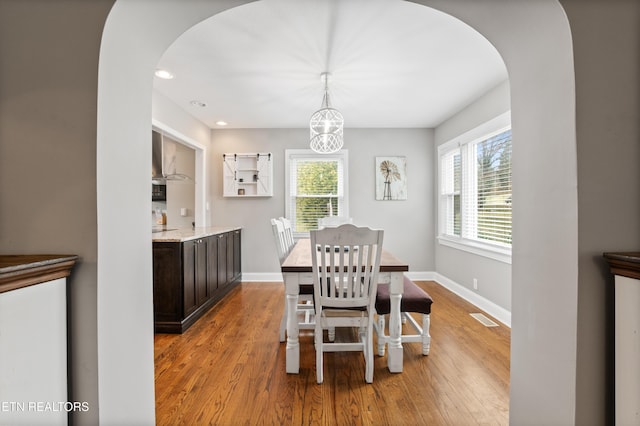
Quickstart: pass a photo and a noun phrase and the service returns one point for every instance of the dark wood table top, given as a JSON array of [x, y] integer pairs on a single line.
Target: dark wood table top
[[299, 260]]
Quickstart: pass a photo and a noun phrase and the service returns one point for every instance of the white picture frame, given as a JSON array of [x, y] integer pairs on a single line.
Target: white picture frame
[[391, 178]]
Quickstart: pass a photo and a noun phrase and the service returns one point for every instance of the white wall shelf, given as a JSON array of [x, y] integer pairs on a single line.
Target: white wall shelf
[[247, 174]]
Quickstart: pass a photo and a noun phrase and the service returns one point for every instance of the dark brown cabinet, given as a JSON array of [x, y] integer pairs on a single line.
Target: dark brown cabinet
[[222, 259], [212, 265], [237, 265], [189, 277]]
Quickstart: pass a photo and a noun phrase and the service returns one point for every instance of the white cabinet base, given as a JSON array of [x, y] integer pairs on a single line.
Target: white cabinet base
[[627, 355], [33, 355], [625, 266]]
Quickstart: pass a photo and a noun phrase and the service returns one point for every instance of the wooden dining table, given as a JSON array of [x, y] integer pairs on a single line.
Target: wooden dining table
[[297, 271]]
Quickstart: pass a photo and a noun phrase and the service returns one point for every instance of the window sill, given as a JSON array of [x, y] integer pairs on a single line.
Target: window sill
[[490, 251]]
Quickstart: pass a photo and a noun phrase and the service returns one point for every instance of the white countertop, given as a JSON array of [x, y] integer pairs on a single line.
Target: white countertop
[[185, 234]]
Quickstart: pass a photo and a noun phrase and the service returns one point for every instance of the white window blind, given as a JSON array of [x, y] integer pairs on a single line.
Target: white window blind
[[316, 188], [493, 192], [450, 191], [475, 190]]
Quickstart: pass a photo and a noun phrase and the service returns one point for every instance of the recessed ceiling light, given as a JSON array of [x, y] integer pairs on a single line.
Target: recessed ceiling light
[[221, 123], [198, 103], [164, 74]]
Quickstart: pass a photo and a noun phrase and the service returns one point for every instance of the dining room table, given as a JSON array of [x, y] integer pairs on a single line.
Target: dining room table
[[297, 271]]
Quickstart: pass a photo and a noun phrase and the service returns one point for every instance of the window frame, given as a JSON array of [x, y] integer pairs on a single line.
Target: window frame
[[496, 251], [298, 154]]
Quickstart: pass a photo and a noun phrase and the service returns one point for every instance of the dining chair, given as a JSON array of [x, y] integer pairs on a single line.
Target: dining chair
[[279, 236], [288, 232], [333, 221], [345, 266], [305, 299]]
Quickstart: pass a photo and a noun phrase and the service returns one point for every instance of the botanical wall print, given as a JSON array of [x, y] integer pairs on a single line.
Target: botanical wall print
[[391, 178]]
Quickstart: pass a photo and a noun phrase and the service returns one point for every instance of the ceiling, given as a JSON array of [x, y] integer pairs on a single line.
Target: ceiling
[[393, 64]]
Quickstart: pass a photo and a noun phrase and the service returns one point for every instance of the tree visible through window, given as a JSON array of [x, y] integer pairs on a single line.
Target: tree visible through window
[[494, 188], [316, 188], [317, 193], [475, 189]]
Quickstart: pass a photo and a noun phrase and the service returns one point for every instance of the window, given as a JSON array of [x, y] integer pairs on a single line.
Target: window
[[316, 186], [475, 190]]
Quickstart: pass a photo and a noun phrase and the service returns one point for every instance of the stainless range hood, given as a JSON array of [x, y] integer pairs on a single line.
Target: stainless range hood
[[163, 164]]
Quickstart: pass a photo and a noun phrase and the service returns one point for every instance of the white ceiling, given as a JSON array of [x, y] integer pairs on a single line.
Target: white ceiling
[[393, 64]]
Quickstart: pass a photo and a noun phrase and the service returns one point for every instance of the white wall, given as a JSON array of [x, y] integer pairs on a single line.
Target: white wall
[[181, 194], [493, 276], [171, 115], [408, 224], [173, 120]]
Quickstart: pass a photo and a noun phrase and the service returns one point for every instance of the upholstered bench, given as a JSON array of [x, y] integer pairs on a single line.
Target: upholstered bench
[[414, 299]]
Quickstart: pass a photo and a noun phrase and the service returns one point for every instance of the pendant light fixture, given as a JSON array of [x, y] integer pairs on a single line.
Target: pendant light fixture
[[326, 124]]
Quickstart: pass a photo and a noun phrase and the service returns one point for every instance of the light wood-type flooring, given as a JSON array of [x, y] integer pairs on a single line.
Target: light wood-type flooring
[[229, 369]]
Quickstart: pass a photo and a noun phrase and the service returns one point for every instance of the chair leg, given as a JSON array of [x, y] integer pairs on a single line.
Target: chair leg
[[319, 353], [368, 353], [426, 337]]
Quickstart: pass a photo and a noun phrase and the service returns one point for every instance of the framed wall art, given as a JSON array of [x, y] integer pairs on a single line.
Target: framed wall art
[[391, 178]]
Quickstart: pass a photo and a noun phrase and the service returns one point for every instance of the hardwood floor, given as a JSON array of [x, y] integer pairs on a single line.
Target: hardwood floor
[[229, 369]]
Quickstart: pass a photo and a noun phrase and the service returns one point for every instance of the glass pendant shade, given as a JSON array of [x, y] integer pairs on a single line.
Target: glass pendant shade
[[326, 131], [326, 127]]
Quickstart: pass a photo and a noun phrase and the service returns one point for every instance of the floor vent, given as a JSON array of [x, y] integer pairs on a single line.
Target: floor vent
[[484, 320]]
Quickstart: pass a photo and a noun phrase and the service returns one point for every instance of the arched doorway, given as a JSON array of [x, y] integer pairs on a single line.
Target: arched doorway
[[543, 116]]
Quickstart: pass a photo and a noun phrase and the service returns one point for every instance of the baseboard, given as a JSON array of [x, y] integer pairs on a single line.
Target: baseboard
[[262, 277], [497, 312], [422, 275], [277, 276]]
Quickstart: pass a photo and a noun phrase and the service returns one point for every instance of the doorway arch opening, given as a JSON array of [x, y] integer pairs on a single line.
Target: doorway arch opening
[[543, 120]]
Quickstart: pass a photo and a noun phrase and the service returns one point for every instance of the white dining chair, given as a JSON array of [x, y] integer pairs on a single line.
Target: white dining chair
[[279, 238], [346, 262], [333, 221], [305, 299], [288, 232]]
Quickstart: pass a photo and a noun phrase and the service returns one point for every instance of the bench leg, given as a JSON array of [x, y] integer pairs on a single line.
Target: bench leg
[[426, 337]]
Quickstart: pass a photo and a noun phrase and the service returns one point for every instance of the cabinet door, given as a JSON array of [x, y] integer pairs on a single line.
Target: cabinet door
[[237, 266], [263, 164], [202, 291], [222, 260], [189, 277], [212, 264], [229, 175], [230, 251], [167, 281]]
